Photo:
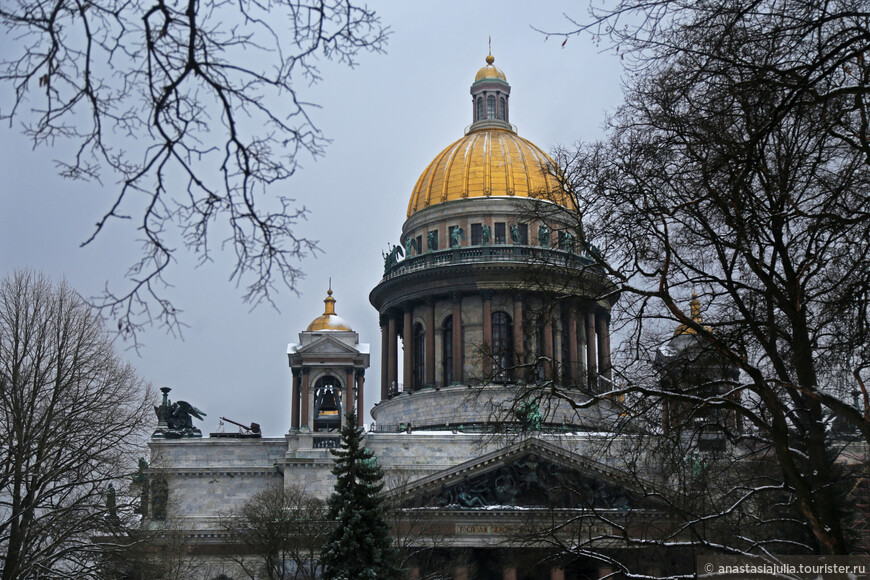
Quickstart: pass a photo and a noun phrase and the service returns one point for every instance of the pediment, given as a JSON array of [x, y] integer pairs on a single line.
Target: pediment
[[326, 345], [531, 474]]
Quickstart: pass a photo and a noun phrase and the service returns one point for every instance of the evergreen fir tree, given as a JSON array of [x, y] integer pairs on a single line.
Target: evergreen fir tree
[[360, 546]]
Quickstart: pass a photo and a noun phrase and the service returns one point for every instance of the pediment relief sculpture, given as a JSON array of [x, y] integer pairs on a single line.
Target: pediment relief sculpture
[[529, 481]]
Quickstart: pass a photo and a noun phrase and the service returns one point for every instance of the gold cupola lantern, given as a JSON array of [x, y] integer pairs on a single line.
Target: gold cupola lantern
[[329, 320]]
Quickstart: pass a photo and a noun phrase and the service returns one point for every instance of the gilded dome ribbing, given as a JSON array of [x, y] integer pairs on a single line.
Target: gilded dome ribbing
[[491, 160], [488, 163]]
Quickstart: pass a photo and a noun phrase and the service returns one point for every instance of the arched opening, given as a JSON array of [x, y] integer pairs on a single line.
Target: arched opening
[[447, 350], [327, 404], [501, 109], [419, 356], [490, 107], [502, 347], [479, 108], [540, 329]]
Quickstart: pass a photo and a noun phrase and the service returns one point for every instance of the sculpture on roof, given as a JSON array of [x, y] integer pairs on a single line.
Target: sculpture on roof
[[544, 236], [485, 234], [392, 258], [175, 420], [411, 244], [455, 234]]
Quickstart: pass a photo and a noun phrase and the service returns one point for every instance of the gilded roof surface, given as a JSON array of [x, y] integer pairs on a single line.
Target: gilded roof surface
[[489, 162], [329, 320], [490, 71]]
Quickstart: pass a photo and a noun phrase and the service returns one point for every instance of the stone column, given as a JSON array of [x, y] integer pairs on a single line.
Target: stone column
[[408, 358], [557, 573], [591, 356], [393, 362], [457, 337], [306, 376], [294, 401], [360, 400], [603, 333], [430, 342], [519, 333], [548, 346], [385, 356], [348, 393], [573, 362]]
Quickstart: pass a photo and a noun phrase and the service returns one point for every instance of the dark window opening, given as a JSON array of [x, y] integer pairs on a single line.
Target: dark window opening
[[420, 244], [419, 356], [539, 352], [447, 350], [566, 348], [479, 108], [476, 234], [490, 107], [500, 233], [501, 109], [502, 347]]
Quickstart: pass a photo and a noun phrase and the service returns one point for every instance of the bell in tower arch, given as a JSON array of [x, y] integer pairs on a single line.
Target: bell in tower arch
[[327, 405]]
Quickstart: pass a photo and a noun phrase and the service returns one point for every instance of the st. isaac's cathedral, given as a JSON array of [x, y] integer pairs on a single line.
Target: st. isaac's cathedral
[[489, 293]]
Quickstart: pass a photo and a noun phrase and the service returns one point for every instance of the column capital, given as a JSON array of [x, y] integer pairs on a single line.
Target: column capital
[[296, 371]]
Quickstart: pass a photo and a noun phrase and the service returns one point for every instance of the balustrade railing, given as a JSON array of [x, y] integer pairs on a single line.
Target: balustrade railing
[[490, 253]]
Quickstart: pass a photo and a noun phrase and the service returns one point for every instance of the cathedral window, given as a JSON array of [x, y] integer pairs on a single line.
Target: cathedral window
[[490, 107], [476, 234], [479, 108], [501, 109], [418, 356], [539, 352], [502, 347], [447, 350], [500, 233]]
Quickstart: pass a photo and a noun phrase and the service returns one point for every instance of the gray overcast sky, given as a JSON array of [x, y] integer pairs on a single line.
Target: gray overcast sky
[[388, 118]]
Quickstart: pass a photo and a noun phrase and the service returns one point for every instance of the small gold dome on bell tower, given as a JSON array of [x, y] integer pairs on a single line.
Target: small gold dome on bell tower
[[329, 320]]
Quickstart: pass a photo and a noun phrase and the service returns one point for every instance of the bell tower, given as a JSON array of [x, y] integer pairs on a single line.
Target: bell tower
[[328, 366]]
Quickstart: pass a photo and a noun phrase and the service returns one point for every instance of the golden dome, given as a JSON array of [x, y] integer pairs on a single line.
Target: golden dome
[[488, 162], [328, 320], [490, 71]]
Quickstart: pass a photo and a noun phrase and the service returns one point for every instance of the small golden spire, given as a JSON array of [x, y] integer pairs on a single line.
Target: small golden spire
[[695, 306], [695, 312], [329, 301], [490, 59]]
